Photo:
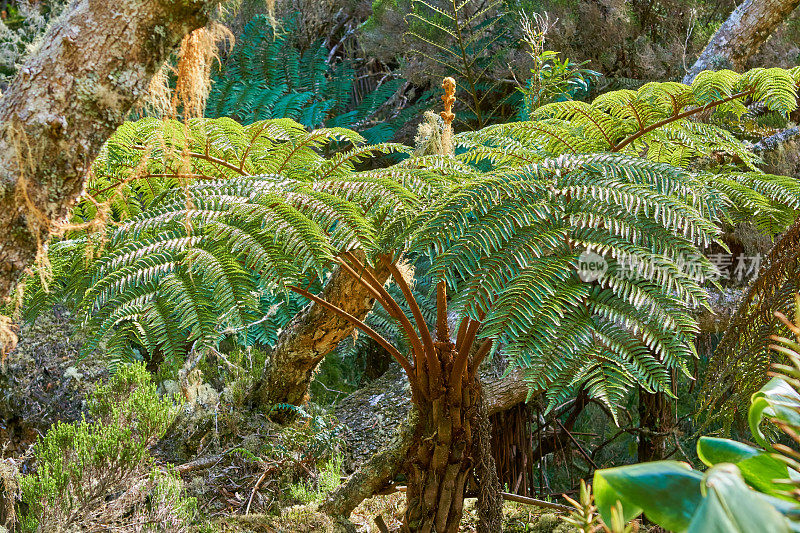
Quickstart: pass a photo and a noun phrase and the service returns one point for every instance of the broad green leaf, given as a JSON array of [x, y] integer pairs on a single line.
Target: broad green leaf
[[759, 468], [680, 499], [668, 492], [776, 399], [730, 506]]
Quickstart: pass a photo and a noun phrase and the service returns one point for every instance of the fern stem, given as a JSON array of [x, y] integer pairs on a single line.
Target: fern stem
[[394, 352], [673, 118], [460, 367], [424, 332], [148, 176], [480, 355], [385, 299], [205, 157], [251, 144], [469, 336], [462, 329], [442, 331]]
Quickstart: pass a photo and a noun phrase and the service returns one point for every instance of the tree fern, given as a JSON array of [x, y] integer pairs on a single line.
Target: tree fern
[[260, 210], [656, 121], [184, 198], [510, 242], [144, 160], [660, 122]]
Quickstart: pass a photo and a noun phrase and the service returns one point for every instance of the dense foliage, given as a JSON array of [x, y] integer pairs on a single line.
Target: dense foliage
[[573, 229], [745, 488], [267, 76], [214, 215]]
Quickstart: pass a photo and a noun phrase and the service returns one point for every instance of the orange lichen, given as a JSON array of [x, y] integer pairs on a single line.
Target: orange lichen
[[198, 52]]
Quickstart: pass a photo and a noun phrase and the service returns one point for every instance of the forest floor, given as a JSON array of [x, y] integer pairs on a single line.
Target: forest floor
[[247, 473], [517, 518], [42, 383]]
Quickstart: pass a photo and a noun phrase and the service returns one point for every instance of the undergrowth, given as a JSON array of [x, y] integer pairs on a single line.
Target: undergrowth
[[98, 473]]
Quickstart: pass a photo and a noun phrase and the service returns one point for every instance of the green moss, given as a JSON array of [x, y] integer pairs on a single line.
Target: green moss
[[298, 519]]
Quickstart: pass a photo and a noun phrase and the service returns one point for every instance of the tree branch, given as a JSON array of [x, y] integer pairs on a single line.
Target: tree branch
[[68, 98], [377, 337], [741, 35]]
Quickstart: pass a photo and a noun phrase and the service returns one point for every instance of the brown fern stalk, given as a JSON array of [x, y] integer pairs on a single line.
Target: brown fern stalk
[[677, 116]]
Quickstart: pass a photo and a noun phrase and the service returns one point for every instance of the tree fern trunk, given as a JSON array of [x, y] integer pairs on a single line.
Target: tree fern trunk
[[656, 421], [384, 404], [67, 99], [490, 499], [440, 459]]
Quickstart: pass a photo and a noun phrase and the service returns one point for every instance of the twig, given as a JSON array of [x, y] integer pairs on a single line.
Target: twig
[[255, 488], [199, 464], [533, 501], [578, 444], [519, 499]]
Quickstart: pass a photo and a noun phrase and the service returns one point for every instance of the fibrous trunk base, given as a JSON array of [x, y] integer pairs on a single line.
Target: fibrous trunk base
[[440, 460]]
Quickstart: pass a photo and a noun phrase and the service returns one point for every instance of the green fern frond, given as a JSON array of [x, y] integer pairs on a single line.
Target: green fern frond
[[509, 244], [266, 76]]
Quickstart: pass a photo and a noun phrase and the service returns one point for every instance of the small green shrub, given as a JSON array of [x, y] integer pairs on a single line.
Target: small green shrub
[[328, 478], [99, 471]]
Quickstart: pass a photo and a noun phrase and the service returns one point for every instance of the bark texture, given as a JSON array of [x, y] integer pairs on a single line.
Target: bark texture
[[310, 336], [375, 474], [68, 98], [490, 498], [741, 35], [656, 422], [9, 494], [440, 459]]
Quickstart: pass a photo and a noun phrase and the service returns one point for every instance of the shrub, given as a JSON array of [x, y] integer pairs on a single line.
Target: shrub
[[98, 472], [327, 479]]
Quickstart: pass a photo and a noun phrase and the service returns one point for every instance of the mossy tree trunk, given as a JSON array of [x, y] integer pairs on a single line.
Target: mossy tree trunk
[[310, 336], [741, 35], [68, 98]]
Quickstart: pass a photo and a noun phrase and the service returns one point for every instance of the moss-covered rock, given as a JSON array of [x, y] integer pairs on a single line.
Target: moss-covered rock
[[297, 519], [43, 382]]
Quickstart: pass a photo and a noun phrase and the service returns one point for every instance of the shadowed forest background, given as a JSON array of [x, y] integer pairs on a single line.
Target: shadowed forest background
[[399, 265]]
